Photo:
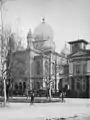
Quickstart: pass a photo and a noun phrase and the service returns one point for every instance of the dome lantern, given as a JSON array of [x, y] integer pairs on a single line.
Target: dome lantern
[[43, 20]]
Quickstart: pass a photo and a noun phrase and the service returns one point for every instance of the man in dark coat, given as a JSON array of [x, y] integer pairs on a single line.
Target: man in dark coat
[[32, 97], [62, 97]]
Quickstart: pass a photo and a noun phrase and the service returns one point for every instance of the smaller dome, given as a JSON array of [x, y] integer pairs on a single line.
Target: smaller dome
[[65, 51], [43, 32]]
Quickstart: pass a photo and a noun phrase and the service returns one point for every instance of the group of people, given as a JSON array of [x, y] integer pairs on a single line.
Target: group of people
[[62, 95], [32, 95]]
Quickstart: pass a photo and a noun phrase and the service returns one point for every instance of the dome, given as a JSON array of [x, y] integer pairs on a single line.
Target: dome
[[65, 51], [43, 32]]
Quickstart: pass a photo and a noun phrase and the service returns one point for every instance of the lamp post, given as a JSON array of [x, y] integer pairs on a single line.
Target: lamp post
[[29, 37], [50, 77], [55, 74]]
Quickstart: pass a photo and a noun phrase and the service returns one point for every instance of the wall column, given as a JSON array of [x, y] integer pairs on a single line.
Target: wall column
[[70, 83]]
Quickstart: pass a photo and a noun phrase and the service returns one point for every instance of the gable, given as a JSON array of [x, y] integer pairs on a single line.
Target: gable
[[79, 53]]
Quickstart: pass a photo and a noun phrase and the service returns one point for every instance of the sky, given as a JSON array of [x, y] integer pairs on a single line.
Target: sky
[[69, 19]]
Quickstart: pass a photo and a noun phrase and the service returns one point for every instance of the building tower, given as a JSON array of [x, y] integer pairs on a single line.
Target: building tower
[[77, 45], [29, 40], [79, 68]]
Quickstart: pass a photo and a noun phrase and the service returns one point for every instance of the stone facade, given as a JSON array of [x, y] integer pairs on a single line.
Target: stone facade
[[38, 66]]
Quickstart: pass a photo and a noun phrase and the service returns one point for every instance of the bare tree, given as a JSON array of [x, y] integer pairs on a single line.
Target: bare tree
[[4, 51], [4, 39], [9, 43]]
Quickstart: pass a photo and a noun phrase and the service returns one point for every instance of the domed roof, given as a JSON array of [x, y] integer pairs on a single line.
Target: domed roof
[[43, 32], [65, 51]]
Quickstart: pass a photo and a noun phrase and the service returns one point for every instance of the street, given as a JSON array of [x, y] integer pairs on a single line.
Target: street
[[72, 108]]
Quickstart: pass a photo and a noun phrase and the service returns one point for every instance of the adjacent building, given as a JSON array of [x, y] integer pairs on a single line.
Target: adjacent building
[[79, 68]]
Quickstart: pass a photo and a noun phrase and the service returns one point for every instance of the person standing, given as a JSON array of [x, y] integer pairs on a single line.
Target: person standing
[[62, 97], [27, 94], [32, 97]]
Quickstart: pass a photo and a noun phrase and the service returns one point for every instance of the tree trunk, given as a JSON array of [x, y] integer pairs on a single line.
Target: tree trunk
[[4, 92], [50, 96]]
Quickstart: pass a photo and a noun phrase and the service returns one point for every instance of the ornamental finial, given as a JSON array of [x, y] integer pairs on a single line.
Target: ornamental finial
[[43, 20]]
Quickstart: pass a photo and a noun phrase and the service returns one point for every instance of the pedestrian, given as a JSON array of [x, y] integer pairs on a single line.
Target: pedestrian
[[62, 97], [7, 92], [26, 94], [32, 97]]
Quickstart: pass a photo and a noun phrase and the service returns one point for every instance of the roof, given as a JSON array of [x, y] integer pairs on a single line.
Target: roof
[[53, 52], [78, 41]]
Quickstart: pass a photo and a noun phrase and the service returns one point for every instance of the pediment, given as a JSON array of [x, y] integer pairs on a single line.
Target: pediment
[[79, 53]]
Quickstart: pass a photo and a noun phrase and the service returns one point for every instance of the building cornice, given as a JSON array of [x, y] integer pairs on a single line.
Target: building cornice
[[79, 59], [78, 41]]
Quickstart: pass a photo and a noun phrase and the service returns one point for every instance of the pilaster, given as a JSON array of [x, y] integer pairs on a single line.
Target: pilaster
[[89, 87]]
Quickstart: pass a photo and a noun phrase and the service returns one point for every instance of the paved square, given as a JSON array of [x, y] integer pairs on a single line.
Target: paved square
[[25, 111]]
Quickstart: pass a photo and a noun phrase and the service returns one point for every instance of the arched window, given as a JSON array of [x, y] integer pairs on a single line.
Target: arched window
[[16, 86], [53, 68], [20, 86], [46, 68], [84, 84], [24, 85], [78, 84], [38, 85]]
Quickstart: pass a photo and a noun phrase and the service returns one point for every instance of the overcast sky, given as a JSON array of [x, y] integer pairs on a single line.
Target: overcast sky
[[69, 19]]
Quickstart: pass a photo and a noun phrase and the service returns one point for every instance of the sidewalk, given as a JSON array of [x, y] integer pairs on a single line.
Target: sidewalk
[[72, 109], [37, 99], [45, 100], [75, 101]]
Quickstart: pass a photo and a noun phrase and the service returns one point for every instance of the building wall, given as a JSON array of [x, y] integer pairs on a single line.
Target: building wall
[[29, 67], [79, 67], [89, 86], [38, 73], [79, 74], [23, 67], [88, 67]]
